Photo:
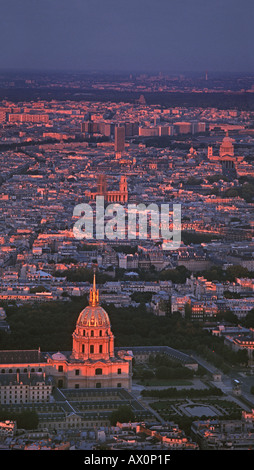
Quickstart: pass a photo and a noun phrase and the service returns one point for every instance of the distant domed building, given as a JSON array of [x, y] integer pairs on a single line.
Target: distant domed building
[[227, 158], [226, 147]]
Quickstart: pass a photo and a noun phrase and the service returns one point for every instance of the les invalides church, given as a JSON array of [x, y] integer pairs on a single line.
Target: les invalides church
[[30, 376], [92, 362]]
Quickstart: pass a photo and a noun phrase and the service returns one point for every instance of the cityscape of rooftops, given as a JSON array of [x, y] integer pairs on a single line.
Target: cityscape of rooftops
[[111, 340]]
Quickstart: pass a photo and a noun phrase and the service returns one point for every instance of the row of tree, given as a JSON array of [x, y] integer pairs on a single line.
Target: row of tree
[[50, 326], [25, 419], [173, 392]]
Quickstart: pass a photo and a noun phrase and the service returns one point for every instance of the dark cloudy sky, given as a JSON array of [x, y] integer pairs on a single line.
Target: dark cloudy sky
[[127, 35]]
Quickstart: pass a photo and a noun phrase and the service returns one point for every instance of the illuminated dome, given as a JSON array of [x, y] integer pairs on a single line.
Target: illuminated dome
[[93, 316]]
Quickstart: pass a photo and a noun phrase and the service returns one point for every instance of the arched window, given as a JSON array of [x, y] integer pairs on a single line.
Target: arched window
[[98, 371]]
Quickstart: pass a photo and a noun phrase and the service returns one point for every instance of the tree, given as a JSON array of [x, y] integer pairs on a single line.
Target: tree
[[242, 356], [25, 419], [123, 414], [228, 316], [233, 272], [163, 372], [249, 319], [147, 374], [40, 288], [187, 311]]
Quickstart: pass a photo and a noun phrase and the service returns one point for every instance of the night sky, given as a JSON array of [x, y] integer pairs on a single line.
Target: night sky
[[127, 35]]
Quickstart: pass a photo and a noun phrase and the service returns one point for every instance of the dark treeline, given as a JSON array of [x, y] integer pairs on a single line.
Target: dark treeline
[[190, 393], [229, 100], [50, 326], [25, 419]]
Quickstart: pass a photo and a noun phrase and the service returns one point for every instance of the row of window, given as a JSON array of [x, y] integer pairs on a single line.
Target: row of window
[[92, 333], [91, 349], [88, 424], [21, 387], [12, 396], [25, 370], [33, 399], [98, 385], [98, 371]]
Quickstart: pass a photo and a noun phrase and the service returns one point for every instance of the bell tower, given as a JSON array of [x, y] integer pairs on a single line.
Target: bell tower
[[123, 188]]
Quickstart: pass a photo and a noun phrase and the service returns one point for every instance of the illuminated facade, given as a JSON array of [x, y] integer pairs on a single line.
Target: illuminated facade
[[92, 362], [111, 196]]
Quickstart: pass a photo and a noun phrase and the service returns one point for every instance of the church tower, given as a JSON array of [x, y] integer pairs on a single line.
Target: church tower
[[123, 189]]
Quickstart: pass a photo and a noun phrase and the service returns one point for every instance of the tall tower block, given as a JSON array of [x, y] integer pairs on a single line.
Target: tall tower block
[[119, 139]]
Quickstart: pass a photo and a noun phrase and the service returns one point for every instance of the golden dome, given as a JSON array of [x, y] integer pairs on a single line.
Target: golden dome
[[94, 315]]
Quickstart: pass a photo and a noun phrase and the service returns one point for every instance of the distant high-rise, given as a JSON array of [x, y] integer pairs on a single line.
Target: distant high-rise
[[119, 139], [131, 129]]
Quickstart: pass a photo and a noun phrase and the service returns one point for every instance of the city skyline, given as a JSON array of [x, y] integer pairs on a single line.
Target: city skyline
[[126, 227]]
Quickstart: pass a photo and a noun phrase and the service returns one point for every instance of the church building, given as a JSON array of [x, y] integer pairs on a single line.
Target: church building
[[92, 363]]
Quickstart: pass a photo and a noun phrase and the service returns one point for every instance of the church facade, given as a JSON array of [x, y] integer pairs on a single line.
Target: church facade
[[92, 362]]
